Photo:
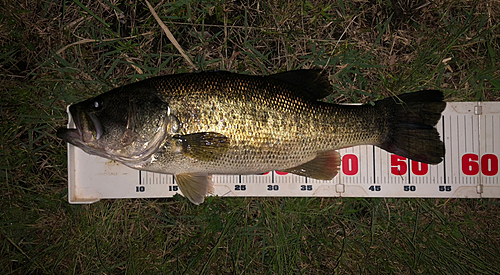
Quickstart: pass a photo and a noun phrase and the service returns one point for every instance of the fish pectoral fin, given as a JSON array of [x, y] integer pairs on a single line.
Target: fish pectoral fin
[[203, 146], [195, 186], [325, 166]]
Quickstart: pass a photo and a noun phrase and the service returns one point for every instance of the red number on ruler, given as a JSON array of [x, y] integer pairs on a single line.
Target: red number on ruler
[[470, 164], [277, 172], [350, 164], [489, 165], [419, 168], [399, 166]]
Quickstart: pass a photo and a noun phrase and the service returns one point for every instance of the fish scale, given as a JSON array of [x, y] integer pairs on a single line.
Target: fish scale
[[269, 122]]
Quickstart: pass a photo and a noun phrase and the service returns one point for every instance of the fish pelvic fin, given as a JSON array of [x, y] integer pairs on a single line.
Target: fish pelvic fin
[[325, 166], [195, 186], [412, 118]]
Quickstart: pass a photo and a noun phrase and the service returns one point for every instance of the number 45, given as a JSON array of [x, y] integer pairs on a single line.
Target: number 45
[[375, 188]]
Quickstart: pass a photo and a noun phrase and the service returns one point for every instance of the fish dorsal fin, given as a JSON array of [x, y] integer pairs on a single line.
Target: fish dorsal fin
[[204, 146], [195, 186], [325, 166], [314, 82]]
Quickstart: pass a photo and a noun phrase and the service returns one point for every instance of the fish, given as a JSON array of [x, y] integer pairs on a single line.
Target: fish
[[195, 125]]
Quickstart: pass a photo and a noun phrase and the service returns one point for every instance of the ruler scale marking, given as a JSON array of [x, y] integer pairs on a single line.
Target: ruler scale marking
[[443, 134], [464, 128]]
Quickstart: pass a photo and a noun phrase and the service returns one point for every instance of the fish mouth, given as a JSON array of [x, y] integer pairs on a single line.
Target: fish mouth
[[88, 127], [69, 135]]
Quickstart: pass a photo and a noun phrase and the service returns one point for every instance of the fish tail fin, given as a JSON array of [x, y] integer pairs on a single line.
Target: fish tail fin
[[412, 118]]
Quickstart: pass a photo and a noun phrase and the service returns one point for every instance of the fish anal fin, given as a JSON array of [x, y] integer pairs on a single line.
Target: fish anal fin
[[195, 186], [325, 166]]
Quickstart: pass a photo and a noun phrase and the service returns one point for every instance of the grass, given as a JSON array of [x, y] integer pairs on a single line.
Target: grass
[[57, 53]]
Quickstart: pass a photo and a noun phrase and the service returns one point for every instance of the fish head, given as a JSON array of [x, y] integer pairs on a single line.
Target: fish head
[[126, 124]]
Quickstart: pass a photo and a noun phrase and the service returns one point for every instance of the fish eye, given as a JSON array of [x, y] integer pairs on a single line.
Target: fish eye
[[97, 104]]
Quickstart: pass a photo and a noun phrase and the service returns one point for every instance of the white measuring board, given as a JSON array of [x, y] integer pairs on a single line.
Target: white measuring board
[[470, 131]]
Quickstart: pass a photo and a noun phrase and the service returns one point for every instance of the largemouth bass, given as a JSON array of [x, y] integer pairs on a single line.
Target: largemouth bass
[[197, 124]]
